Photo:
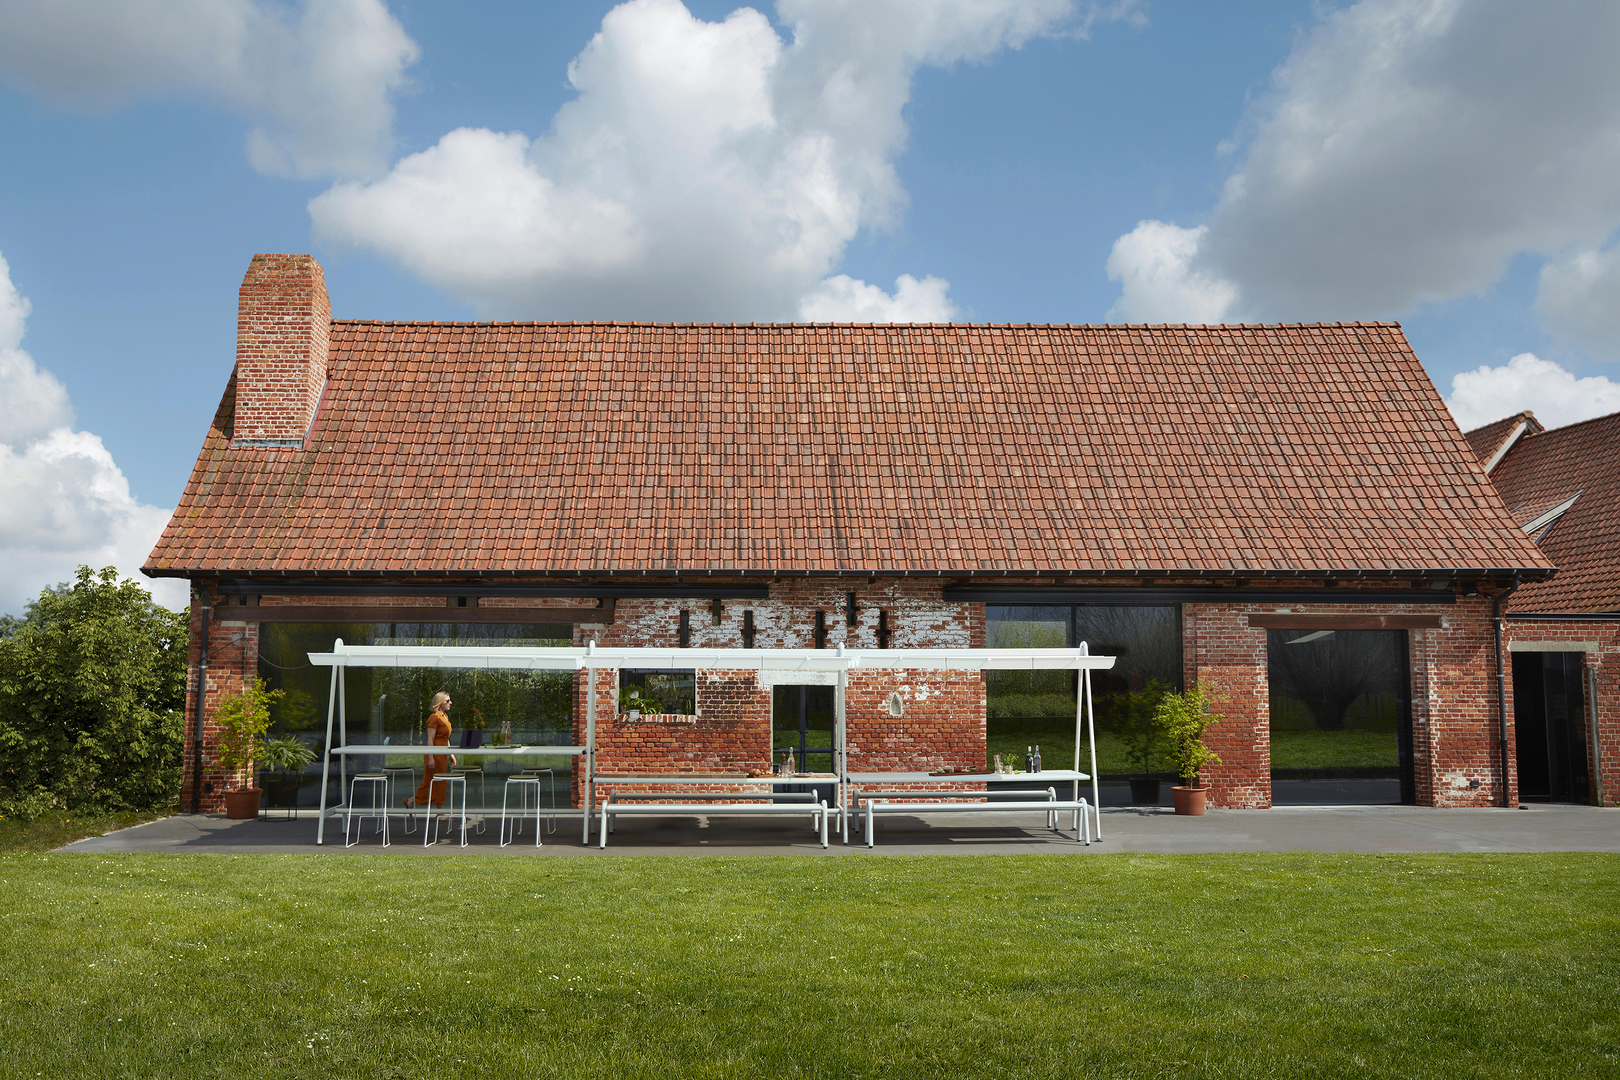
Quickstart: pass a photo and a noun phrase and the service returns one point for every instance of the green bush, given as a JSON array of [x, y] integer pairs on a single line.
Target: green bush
[[92, 700], [1184, 718]]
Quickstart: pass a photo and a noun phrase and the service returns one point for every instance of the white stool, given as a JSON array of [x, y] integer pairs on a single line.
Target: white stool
[[450, 781], [526, 785], [474, 770], [392, 772], [550, 776], [377, 784]]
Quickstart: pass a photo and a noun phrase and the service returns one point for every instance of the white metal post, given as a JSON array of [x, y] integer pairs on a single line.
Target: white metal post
[[588, 785], [1091, 727], [326, 765], [343, 736], [843, 752]]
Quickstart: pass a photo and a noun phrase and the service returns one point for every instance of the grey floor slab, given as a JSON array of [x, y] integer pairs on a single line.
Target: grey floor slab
[[1125, 829]]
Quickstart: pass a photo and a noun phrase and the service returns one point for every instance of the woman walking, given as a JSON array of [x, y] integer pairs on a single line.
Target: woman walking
[[438, 734]]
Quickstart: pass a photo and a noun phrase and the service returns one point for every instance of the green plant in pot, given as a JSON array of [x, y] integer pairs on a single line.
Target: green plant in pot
[[284, 759], [242, 720], [636, 702], [1132, 717], [1184, 717]]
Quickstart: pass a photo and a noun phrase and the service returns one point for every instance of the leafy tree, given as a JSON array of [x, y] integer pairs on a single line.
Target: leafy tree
[[1132, 715], [1184, 718], [92, 699]]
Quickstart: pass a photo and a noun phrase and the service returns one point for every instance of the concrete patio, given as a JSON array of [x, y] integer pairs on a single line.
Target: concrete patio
[[1546, 827]]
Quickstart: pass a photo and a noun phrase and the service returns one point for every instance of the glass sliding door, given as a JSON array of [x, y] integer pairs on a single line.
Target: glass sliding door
[[1341, 723], [1029, 708], [387, 706]]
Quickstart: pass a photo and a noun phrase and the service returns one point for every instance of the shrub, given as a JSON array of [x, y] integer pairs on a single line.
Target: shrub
[[1184, 717], [243, 720], [92, 699]]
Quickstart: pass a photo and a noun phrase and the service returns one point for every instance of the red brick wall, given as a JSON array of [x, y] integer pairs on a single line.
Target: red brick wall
[[941, 723], [283, 322], [233, 663], [1605, 662], [1455, 735]]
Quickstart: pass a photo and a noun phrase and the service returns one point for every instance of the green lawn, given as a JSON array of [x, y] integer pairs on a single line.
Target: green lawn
[[997, 966]]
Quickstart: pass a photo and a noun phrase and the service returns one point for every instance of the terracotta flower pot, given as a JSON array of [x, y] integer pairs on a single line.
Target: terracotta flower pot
[[1188, 800], [243, 804]]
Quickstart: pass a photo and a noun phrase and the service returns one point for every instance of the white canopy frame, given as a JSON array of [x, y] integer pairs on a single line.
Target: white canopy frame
[[591, 658]]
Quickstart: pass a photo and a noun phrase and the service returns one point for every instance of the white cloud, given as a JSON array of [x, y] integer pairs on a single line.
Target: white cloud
[[1153, 263], [1555, 395], [315, 82], [1579, 299], [66, 500], [704, 171], [842, 298], [1408, 149]]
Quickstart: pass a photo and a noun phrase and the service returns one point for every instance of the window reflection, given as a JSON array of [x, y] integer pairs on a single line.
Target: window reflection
[[1030, 707]]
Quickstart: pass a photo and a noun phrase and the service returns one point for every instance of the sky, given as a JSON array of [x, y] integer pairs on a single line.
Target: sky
[[1451, 164]]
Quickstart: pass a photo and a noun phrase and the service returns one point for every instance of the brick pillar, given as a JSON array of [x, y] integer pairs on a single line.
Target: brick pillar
[[283, 321], [1229, 657], [233, 652]]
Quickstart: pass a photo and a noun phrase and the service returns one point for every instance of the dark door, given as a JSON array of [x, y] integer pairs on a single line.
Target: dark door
[[1549, 714], [802, 720]]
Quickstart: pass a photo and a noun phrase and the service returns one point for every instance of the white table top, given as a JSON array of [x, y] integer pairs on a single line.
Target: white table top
[[1044, 776], [420, 750]]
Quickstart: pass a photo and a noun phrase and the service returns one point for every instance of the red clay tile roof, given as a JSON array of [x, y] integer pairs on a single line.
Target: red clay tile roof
[[1541, 471], [1488, 440], [563, 446]]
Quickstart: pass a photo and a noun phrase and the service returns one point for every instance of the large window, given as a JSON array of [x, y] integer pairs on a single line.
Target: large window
[[388, 706], [1340, 721], [1027, 708]]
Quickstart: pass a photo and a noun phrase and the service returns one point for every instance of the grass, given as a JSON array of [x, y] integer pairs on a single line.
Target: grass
[[1333, 750], [52, 831], [996, 966]]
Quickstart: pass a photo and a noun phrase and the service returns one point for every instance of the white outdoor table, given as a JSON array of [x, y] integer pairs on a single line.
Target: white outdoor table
[[423, 750], [1055, 775]]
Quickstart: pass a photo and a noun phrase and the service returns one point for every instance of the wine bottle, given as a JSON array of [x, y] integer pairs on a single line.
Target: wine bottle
[[1029, 760], [1037, 757]]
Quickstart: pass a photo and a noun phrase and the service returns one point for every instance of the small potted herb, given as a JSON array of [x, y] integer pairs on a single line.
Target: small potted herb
[[1184, 718], [634, 702], [242, 720]]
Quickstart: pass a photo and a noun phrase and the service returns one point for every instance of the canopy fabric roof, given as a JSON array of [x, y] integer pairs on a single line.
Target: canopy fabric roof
[[564, 447], [577, 658]]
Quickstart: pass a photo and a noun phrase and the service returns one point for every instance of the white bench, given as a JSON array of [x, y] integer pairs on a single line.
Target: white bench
[[707, 798], [819, 812], [1050, 807], [1048, 794]]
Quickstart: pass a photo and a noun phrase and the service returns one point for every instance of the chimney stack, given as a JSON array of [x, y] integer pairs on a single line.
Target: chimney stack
[[283, 320]]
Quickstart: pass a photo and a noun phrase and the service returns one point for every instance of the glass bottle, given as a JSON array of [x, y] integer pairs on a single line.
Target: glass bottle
[[1029, 760], [791, 769], [1037, 757], [1000, 768]]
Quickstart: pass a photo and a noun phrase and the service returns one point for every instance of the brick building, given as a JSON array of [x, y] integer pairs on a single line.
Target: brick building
[[1563, 487], [1287, 514]]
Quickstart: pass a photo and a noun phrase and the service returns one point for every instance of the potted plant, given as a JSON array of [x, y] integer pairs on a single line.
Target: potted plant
[[1132, 717], [284, 758], [242, 720], [1184, 718], [633, 702]]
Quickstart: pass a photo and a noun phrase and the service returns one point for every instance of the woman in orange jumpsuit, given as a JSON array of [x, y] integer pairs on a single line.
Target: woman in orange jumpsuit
[[438, 734]]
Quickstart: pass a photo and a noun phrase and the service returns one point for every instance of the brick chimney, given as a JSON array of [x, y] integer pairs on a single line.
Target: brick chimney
[[282, 323]]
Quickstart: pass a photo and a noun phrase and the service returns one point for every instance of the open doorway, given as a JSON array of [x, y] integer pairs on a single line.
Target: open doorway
[[1341, 719], [1549, 716]]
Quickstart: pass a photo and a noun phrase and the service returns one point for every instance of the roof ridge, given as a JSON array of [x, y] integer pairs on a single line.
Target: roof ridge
[[1568, 427]]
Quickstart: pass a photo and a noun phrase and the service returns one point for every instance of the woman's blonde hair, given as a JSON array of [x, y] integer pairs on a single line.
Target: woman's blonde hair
[[439, 699]]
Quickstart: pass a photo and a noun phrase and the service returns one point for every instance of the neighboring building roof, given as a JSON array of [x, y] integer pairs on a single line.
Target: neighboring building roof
[[1578, 465], [599, 446], [1495, 439]]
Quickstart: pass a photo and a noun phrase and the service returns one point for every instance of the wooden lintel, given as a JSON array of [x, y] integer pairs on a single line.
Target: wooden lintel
[[1345, 622], [324, 613]]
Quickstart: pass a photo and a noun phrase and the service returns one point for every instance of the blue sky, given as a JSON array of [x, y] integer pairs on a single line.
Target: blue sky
[[1448, 163]]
